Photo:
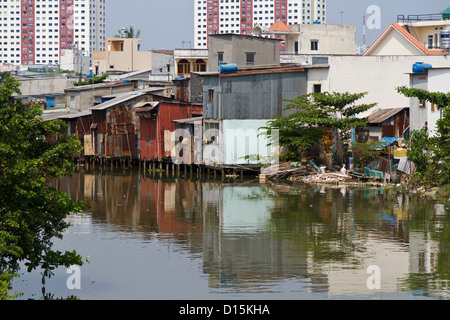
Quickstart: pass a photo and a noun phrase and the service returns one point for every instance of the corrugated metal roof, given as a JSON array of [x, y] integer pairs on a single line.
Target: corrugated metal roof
[[72, 115], [383, 114], [65, 115], [144, 103], [98, 86], [118, 100], [189, 120], [141, 106]]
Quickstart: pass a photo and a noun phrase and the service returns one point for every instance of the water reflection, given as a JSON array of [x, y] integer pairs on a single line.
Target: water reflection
[[287, 241]]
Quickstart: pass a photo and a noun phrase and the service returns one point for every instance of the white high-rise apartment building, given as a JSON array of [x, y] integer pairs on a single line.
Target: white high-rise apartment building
[[239, 16], [36, 31]]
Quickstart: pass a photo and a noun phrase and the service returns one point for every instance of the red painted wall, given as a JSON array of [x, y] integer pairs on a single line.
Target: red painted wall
[[154, 129]]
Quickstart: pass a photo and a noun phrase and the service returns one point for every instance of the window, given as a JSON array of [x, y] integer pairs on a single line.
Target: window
[[317, 88], [422, 103], [210, 95], [184, 67], [250, 58], [211, 132], [219, 57], [200, 65], [314, 45], [430, 42]]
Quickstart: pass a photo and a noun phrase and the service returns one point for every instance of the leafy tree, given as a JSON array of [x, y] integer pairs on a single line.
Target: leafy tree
[[366, 152], [294, 134], [32, 213], [94, 80], [316, 112], [441, 144]]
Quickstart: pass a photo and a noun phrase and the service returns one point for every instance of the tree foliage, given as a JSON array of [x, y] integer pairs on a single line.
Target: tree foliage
[[94, 80], [366, 152], [310, 115], [31, 213], [131, 33], [440, 99]]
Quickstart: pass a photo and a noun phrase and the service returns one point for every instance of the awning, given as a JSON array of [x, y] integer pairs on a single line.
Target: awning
[[382, 115], [189, 120], [145, 106]]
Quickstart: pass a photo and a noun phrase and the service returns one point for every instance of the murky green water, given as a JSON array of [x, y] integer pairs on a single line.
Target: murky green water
[[158, 237]]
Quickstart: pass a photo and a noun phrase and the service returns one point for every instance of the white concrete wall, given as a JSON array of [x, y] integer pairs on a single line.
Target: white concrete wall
[[36, 87], [378, 75], [395, 44], [332, 39], [438, 81], [240, 138]]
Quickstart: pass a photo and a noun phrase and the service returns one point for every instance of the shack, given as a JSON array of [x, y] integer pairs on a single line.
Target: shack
[[115, 128], [87, 96], [239, 102], [79, 124], [157, 139], [390, 122]]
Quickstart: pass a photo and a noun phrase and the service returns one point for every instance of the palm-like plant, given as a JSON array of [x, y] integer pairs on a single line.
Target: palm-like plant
[[131, 33]]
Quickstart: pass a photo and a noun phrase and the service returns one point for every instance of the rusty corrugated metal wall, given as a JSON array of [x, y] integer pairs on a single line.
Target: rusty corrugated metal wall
[[152, 130]]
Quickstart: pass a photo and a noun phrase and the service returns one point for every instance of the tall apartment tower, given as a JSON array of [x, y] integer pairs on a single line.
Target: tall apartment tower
[[239, 16], [36, 31]]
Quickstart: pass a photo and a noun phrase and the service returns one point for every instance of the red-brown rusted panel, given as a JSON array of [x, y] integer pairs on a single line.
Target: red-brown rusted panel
[[152, 131]]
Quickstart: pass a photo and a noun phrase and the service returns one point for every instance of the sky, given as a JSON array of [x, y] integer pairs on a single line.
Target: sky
[[169, 24]]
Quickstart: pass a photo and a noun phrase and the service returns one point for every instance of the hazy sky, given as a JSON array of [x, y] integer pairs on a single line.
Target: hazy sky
[[167, 23]]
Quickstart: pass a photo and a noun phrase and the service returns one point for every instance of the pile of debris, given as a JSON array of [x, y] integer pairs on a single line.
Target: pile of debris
[[330, 177], [290, 171], [307, 172]]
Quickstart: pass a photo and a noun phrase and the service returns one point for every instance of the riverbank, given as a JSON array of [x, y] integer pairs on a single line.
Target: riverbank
[[306, 173]]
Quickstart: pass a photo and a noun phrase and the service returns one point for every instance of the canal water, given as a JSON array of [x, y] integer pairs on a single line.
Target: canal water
[[172, 237]]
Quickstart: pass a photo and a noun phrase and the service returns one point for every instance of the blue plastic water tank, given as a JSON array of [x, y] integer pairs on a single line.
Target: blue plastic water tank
[[419, 67], [228, 68]]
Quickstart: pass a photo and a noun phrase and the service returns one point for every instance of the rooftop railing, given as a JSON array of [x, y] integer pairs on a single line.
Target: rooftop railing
[[422, 17]]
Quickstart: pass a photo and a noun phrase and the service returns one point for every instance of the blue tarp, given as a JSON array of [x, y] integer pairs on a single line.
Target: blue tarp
[[387, 141]]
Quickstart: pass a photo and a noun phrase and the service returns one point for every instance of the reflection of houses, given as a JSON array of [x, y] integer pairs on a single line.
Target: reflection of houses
[[189, 60], [232, 254], [174, 205], [253, 236]]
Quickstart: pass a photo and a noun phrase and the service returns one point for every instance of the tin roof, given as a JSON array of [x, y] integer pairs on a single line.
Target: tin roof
[[146, 106], [383, 114], [113, 102], [64, 114], [98, 86], [261, 70], [189, 120]]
